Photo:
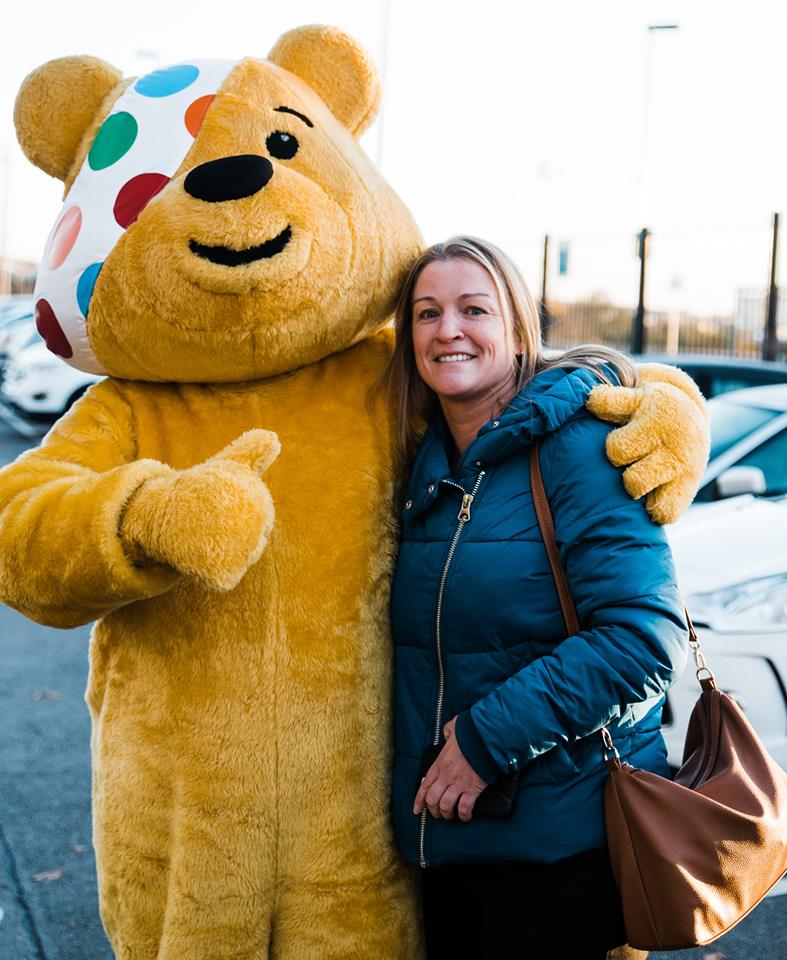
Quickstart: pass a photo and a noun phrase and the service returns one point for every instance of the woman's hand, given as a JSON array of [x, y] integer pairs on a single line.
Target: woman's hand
[[450, 783]]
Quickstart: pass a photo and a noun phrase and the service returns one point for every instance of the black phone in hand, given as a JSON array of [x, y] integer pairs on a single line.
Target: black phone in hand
[[495, 802]]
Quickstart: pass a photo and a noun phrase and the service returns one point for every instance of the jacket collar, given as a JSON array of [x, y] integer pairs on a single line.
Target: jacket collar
[[542, 406]]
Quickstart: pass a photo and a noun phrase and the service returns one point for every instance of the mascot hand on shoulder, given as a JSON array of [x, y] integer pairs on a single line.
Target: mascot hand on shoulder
[[229, 257]]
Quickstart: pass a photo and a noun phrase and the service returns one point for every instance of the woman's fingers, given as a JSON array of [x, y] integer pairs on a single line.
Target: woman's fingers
[[418, 803], [429, 794], [446, 806], [426, 791], [449, 780], [433, 797], [465, 806]]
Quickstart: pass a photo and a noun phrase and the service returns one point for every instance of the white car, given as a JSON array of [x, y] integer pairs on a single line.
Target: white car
[[16, 332], [748, 444], [40, 386], [731, 559]]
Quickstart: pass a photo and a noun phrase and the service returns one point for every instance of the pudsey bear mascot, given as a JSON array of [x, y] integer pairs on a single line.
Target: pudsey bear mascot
[[229, 256]]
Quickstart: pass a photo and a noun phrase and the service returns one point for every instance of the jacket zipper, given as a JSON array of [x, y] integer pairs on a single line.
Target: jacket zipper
[[463, 517]]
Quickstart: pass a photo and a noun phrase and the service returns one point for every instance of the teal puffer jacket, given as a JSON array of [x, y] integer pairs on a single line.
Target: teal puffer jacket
[[479, 632]]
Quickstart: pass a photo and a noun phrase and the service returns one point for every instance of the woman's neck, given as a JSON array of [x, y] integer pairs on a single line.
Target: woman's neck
[[466, 417]]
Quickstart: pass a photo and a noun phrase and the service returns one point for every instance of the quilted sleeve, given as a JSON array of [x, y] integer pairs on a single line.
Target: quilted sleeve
[[622, 579]]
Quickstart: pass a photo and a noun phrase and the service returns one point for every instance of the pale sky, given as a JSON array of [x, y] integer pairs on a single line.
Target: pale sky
[[505, 120]]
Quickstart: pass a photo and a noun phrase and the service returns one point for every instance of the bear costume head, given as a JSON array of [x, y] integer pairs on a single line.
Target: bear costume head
[[221, 221]]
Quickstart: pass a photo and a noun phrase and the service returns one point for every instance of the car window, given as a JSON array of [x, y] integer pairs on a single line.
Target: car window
[[723, 384], [771, 458], [731, 422]]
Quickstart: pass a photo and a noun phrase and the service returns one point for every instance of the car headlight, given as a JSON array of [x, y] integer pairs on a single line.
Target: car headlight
[[750, 605]]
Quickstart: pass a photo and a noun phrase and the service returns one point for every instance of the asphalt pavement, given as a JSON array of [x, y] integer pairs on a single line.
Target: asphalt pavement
[[48, 898]]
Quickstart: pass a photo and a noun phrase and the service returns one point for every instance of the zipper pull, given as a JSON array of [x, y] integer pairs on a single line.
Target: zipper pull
[[464, 512]]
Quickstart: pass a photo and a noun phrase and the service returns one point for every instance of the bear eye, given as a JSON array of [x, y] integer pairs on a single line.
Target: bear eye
[[282, 145]]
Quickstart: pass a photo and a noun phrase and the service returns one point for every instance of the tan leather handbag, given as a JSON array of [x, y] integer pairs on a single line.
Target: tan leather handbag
[[691, 856]]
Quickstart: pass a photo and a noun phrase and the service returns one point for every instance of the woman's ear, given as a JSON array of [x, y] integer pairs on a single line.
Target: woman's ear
[[56, 105], [336, 68]]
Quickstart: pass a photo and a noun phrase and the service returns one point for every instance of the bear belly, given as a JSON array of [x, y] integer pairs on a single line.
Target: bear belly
[[242, 739]]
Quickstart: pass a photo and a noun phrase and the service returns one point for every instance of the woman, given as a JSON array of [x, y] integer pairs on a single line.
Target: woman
[[485, 675]]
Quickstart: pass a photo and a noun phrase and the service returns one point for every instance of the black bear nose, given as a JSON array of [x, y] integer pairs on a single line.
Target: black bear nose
[[230, 178]]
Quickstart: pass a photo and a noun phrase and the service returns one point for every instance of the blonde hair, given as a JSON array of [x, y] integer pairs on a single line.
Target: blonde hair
[[414, 404]]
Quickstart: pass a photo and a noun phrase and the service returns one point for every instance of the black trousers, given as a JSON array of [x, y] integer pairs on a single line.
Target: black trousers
[[569, 910]]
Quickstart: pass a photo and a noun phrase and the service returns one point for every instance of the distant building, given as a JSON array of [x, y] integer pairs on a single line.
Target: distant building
[[750, 309], [17, 276]]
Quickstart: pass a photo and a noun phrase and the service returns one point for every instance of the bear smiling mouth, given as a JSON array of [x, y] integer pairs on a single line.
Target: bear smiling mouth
[[227, 257]]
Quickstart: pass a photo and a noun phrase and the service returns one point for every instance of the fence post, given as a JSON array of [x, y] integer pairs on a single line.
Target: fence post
[[542, 309], [769, 341], [638, 326]]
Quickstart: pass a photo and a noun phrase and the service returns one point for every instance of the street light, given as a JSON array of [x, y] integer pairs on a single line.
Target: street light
[[638, 331], [652, 30]]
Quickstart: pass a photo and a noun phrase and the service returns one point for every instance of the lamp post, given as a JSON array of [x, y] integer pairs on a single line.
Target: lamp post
[[638, 326], [647, 108]]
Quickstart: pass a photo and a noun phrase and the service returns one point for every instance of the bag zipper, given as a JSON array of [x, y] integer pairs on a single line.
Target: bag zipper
[[463, 517]]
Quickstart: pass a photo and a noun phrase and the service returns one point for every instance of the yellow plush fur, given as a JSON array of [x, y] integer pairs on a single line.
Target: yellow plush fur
[[240, 668], [667, 442]]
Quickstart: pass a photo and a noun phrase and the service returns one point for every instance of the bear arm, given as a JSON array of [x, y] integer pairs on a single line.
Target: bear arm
[[664, 440], [61, 559]]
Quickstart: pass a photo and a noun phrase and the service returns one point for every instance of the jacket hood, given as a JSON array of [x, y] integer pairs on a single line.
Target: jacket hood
[[541, 407]]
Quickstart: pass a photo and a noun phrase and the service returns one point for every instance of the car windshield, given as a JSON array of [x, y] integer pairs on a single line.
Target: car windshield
[[731, 422]]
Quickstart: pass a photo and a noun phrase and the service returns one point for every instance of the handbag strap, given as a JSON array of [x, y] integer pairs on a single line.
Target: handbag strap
[[547, 526]]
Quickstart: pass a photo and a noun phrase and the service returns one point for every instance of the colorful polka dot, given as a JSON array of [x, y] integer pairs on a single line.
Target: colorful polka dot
[[135, 195], [163, 83], [113, 140], [85, 284], [135, 148], [49, 328], [196, 113], [64, 237]]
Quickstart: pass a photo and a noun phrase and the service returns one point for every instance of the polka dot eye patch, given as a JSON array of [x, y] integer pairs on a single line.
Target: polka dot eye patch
[[136, 151]]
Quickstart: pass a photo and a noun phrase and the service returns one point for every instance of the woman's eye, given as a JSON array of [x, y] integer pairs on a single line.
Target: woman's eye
[[282, 146], [428, 314], [475, 311]]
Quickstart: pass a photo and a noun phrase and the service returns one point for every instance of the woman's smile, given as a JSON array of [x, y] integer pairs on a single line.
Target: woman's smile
[[454, 357]]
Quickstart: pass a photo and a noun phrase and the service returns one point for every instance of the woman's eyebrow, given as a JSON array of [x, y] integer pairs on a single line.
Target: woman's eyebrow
[[295, 113], [462, 296]]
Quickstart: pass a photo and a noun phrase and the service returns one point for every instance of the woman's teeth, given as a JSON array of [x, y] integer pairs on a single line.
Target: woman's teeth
[[455, 357]]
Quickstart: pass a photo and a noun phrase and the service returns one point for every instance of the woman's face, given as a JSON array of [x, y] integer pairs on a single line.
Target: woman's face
[[462, 348]]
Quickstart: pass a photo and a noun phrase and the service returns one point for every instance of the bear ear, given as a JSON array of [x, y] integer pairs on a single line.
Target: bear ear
[[337, 68], [56, 105]]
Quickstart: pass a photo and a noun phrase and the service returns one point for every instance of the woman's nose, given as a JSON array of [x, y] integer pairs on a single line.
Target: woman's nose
[[450, 327], [230, 178]]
